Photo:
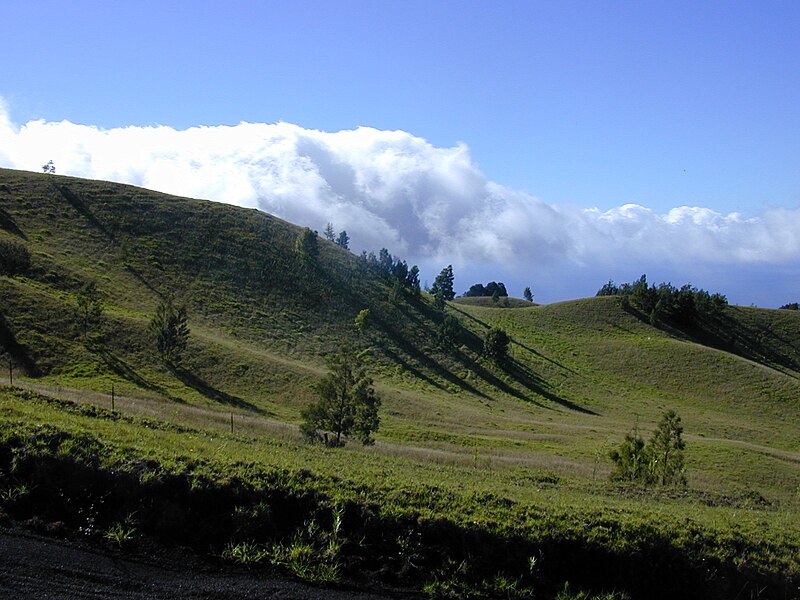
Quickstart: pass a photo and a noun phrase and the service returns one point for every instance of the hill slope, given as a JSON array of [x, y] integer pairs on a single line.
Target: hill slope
[[534, 431]]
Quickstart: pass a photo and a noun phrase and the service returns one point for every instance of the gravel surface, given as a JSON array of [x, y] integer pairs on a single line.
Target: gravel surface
[[43, 567]]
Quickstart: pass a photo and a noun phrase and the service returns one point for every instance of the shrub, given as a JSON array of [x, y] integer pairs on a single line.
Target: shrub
[[15, 259]]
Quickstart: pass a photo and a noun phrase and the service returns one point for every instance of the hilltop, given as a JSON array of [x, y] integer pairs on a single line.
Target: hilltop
[[518, 450]]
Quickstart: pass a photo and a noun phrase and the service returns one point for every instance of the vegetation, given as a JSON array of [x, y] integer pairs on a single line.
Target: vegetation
[[14, 257], [684, 306], [490, 289], [442, 288], [495, 344], [348, 405], [480, 469], [170, 330], [527, 294], [306, 246], [661, 461]]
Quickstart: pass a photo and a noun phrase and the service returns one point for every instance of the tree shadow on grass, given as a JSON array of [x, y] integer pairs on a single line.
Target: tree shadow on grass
[[126, 371], [526, 377], [7, 222], [199, 385], [19, 354]]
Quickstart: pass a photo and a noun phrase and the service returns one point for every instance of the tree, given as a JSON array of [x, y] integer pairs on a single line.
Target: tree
[[442, 288], [329, 233], [449, 331], [343, 240], [666, 451], [90, 307], [412, 281], [306, 246], [49, 167], [495, 344], [660, 461], [170, 329], [347, 405], [527, 294], [631, 459]]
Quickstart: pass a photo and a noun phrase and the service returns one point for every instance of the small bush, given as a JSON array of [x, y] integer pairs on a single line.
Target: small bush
[[15, 259]]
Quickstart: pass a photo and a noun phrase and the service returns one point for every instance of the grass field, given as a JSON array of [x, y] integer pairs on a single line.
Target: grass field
[[512, 455]]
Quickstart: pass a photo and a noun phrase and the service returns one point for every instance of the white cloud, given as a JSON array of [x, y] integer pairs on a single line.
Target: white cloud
[[390, 188]]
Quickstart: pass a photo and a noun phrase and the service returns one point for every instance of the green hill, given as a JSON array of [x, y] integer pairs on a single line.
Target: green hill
[[516, 451]]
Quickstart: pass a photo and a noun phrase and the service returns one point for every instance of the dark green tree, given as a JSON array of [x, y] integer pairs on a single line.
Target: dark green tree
[[343, 240], [449, 331], [347, 405], [658, 462], [666, 451], [442, 288], [631, 460], [412, 281], [170, 329], [15, 259], [527, 294], [495, 344], [306, 246]]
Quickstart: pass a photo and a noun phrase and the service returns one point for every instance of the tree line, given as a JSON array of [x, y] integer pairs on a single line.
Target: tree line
[[665, 302]]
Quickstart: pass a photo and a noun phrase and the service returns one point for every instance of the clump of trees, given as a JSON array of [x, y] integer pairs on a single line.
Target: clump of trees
[[402, 278], [791, 306], [170, 329], [15, 259], [347, 406], [490, 289], [660, 461], [342, 239], [665, 302]]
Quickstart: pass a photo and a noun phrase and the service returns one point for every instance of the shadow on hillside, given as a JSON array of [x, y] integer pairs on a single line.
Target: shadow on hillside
[[124, 370], [18, 353], [7, 222], [723, 332], [196, 383], [537, 385], [543, 357], [759, 344]]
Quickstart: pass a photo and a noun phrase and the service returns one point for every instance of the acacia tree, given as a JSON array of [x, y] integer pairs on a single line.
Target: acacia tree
[[170, 329], [347, 405]]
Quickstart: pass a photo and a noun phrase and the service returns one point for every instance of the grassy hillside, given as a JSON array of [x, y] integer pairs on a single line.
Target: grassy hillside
[[518, 451]]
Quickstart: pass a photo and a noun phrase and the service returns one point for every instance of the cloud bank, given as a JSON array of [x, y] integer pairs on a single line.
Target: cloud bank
[[430, 205]]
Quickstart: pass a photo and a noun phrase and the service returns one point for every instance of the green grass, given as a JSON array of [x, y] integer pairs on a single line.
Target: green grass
[[520, 446]]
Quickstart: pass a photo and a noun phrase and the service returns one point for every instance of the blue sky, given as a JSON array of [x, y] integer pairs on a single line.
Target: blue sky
[[566, 106]]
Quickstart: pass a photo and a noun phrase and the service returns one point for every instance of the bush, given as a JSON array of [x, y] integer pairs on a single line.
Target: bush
[[15, 259]]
